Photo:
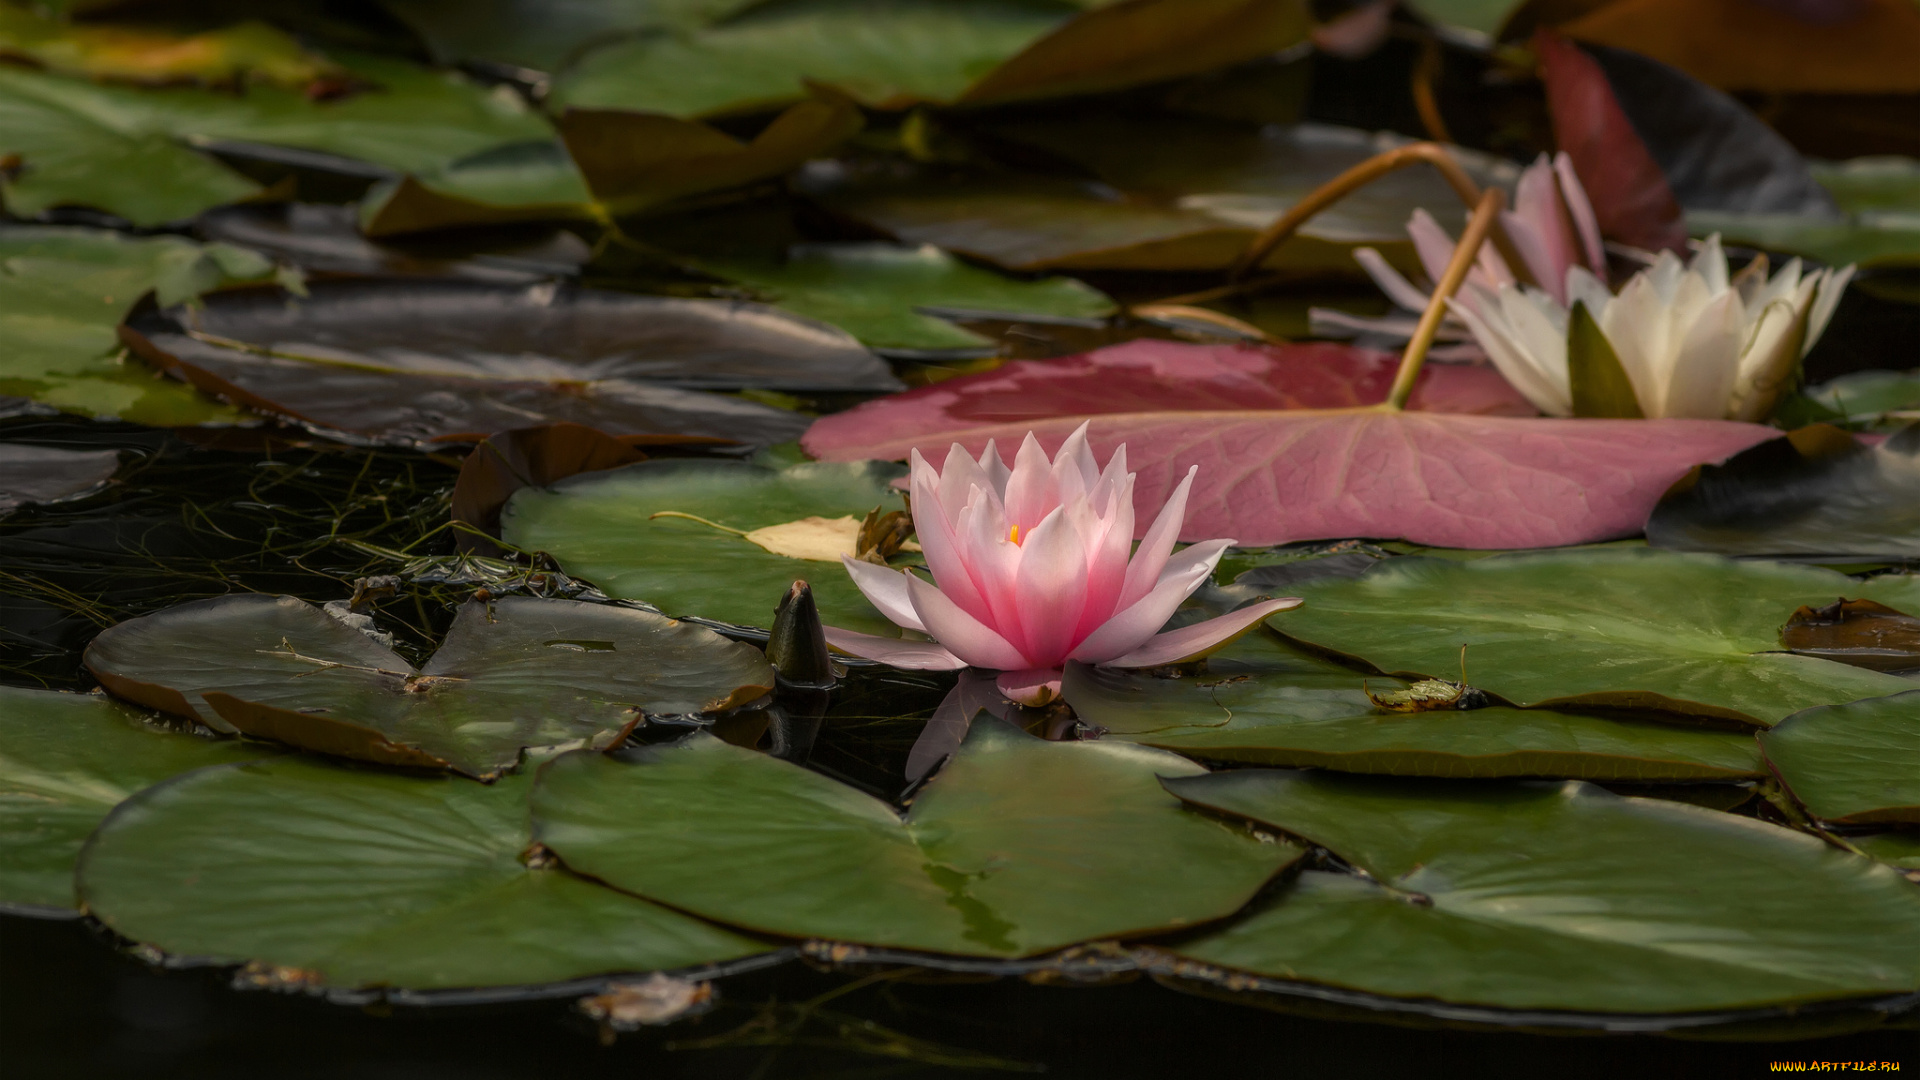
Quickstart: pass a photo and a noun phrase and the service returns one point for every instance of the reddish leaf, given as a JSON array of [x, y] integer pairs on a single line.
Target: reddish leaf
[[1154, 376], [1272, 475], [1629, 192]]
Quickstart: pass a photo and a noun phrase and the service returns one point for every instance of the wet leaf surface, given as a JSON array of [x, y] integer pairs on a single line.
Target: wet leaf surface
[[351, 357], [513, 673], [1863, 397], [65, 761], [600, 527], [1262, 704], [1272, 473], [37, 474], [1816, 493], [1018, 847], [1559, 896], [1695, 635], [354, 878], [1853, 763], [62, 291]]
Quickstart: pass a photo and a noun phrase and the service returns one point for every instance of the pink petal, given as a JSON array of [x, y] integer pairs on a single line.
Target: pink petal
[[1131, 628], [993, 561], [1581, 210], [1534, 250], [1193, 642], [894, 652], [1109, 541], [935, 527], [1031, 494], [1537, 202], [1431, 242], [1033, 687], [960, 633], [885, 589], [1151, 557], [1398, 289], [1052, 587]]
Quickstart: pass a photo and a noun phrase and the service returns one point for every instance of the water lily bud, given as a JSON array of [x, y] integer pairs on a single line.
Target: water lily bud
[[797, 645]]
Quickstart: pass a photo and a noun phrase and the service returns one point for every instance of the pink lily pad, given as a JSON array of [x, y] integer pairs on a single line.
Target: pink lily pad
[[1270, 474], [1153, 376]]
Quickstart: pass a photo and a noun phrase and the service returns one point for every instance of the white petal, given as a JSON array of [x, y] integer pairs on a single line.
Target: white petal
[[1707, 363], [1831, 286], [1522, 370]]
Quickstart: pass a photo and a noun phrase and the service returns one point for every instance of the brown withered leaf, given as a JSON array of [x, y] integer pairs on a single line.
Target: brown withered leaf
[[1858, 632]]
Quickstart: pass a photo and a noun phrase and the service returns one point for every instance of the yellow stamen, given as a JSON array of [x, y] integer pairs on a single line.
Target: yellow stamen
[[1014, 535]]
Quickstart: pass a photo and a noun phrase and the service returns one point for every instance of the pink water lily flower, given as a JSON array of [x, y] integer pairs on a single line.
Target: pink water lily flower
[[1034, 566]]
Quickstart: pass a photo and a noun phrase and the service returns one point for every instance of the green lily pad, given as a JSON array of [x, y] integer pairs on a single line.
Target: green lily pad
[[1872, 238], [1019, 846], [1883, 182], [356, 878], [65, 760], [1893, 848], [1559, 896], [514, 673], [883, 293], [600, 527], [1261, 704], [1629, 629], [1855, 763], [884, 53], [62, 292], [1859, 397], [130, 151]]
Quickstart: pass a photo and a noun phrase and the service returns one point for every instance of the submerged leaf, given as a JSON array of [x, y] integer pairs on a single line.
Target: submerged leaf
[[355, 878], [1019, 846], [513, 673], [65, 761], [1695, 635], [1559, 896]]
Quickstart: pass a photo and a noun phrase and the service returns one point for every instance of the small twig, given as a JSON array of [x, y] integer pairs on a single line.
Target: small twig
[[1464, 254]]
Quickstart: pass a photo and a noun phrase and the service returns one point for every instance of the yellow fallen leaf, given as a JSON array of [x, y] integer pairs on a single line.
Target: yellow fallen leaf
[[816, 538]]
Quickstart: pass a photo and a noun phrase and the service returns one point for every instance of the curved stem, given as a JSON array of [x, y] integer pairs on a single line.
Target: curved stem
[[1360, 176], [1426, 72], [1464, 254]]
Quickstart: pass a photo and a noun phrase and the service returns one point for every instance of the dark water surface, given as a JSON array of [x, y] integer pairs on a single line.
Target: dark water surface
[[70, 1006]]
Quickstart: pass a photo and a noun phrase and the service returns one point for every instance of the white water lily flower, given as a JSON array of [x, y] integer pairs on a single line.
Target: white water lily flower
[[1553, 229], [1693, 340]]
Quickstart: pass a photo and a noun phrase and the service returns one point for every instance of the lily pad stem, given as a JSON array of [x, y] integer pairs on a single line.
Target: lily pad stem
[[1360, 176], [1464, 254]]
